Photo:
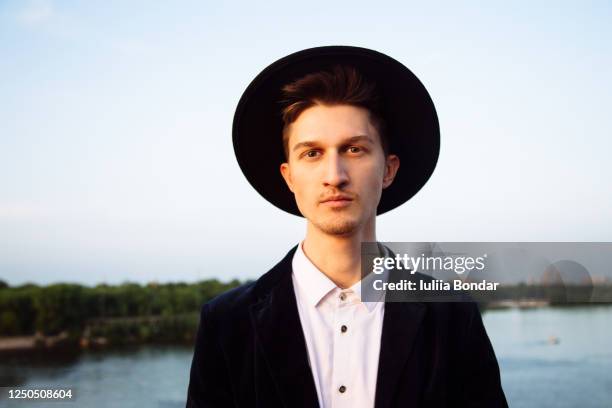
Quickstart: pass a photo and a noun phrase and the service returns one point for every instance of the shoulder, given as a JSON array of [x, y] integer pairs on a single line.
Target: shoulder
[[456, 308], [235, 303], [457, 319]]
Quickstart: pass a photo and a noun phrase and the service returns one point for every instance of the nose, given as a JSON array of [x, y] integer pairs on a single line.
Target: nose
[[335, 171]]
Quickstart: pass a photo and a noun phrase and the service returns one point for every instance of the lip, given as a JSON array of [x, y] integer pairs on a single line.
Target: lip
[[337, 201]]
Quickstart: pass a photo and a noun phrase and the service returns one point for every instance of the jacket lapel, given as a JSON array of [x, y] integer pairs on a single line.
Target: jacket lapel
[[277, 326], [276, 321], [401, 325]]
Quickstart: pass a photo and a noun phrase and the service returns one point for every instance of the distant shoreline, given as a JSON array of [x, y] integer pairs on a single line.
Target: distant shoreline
[[85, 341], [34, 342], [63, 342], [518, 304]]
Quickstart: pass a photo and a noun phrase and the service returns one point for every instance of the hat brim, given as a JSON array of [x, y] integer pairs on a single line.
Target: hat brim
[[411, 122]]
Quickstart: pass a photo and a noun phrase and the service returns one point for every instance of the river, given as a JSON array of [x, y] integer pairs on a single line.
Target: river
[[549, 357]]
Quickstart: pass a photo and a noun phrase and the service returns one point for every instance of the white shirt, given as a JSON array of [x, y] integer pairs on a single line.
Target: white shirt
[[342, 335]]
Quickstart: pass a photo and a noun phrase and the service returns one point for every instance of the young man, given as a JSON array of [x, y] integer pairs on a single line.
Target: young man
[[300, 336]]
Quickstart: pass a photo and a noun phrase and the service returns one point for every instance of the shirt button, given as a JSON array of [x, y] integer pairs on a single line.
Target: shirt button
[[342, 389], [343, 329], [342, 296]]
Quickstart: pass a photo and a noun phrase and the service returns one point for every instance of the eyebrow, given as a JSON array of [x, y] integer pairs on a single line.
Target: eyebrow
[[354, 139]]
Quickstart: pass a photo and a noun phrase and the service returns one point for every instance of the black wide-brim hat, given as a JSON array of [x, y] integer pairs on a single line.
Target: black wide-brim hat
[[411, 122]]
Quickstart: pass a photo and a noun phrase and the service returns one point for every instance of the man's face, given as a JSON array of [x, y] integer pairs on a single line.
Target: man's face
[[336, 167]]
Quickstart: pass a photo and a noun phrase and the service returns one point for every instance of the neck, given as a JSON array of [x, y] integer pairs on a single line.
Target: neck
[[338, 257]]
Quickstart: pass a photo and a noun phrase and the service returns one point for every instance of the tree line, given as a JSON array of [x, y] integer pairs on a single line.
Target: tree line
[[51, 309], [133, 313]]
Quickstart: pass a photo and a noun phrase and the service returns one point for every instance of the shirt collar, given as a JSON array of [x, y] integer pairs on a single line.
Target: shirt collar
[[316, 285]]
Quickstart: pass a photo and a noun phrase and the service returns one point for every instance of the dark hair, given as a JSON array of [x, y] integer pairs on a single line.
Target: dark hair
[[341, 85]]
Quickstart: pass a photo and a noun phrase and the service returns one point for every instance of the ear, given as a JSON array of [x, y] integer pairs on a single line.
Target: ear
[[392, 164], [286, 173]]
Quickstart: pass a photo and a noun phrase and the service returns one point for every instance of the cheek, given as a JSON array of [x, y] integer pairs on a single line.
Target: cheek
[[372, 176], [303, 185]]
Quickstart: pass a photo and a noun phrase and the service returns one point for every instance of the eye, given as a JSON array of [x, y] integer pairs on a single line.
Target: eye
[[354, 149], [311, 154]]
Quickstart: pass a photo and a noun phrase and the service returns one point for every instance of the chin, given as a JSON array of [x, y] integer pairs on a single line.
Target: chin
[[337, 225]]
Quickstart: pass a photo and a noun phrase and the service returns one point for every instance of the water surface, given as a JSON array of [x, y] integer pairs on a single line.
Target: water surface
[[575, 370]]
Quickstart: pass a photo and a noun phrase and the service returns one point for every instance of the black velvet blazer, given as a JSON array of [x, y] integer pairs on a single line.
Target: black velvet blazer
[[250, 351]]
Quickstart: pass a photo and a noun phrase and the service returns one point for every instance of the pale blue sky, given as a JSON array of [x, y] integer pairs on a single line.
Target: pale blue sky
[[116, 160]]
